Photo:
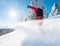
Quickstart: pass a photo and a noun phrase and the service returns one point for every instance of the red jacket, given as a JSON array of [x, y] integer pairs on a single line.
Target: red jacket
[[38, 12], [33, 8]]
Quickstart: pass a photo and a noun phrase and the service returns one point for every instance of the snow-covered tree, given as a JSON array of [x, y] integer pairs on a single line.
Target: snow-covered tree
[[54, 10], [35, 3], [31, 14]]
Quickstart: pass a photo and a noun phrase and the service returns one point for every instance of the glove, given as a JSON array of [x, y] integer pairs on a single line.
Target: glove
[[28, 6]]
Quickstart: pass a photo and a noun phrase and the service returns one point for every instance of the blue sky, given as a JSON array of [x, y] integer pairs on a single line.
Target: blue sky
[[18, 7]]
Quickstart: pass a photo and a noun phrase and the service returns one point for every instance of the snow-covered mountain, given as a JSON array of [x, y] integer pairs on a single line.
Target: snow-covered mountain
[[31, 33]]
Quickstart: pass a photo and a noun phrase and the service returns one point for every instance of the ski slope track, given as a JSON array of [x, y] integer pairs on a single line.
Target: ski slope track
[[31, 33]]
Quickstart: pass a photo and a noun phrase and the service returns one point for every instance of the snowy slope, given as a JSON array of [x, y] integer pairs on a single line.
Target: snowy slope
[[12, 39], [57, 16], [31, 33]]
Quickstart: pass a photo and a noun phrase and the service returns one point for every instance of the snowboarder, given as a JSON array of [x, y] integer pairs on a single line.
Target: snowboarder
[[38, 12]]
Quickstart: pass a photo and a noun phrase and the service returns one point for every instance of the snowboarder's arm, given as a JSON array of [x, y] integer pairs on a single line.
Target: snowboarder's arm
[[33, 8]]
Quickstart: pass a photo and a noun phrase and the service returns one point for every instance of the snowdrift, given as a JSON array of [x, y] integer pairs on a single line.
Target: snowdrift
[[56, 16], [31, 33]]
